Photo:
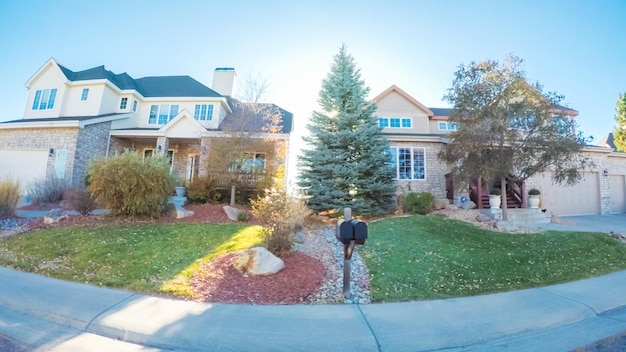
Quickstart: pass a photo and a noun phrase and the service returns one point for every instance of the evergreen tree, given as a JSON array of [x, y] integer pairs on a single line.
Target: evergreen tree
[[346, 164], [619, 134]]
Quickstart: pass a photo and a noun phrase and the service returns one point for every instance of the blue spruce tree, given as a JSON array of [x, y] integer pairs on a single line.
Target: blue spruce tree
[[346, 164]]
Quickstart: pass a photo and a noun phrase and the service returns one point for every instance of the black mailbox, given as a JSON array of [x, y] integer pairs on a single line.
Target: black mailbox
[[351, 230]]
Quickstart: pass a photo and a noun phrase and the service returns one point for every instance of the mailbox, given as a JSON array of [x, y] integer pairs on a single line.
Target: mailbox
[[351, 230]]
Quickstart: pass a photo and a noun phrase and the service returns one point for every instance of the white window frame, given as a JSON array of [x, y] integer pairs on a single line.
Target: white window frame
[[395, 122], [124, 103], [159, 110], [203, 112], [84, 95], [44, 99], [447, 126], [413, 151]]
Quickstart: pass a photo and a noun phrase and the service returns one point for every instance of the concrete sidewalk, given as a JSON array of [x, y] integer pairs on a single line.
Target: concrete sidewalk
[[53, 315]]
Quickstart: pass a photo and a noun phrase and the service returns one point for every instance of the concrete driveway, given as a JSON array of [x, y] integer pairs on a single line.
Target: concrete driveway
[[587, 223]]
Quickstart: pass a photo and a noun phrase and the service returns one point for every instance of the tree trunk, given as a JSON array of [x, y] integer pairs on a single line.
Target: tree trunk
[[232, 195], [505, 210]]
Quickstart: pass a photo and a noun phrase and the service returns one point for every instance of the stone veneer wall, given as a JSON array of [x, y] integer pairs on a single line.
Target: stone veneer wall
[[91, 144], [436, 170]]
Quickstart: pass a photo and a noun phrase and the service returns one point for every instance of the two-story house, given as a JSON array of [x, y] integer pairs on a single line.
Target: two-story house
[[417, 133], [73, 118]]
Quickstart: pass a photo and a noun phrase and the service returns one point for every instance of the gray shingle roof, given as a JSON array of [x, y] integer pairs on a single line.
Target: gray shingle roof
[[441, 111], [65, 118], [253, 116], [158, 86]]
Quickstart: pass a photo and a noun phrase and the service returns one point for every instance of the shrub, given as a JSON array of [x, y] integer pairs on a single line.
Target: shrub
[[495, 192], [419, 203], [9, 197], [242, 216], [280, 215], [202, 190], [47, 191], [127, 184], [534, 192], [83, 202]]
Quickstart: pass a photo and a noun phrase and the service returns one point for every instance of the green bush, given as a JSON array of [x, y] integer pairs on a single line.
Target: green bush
[[128, 184], [202, 190], [47, 191], [9, 196], [419, 203], [243, 216]]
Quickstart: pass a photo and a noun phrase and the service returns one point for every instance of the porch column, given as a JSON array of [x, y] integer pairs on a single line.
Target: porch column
[[203, 163], [164, 144]]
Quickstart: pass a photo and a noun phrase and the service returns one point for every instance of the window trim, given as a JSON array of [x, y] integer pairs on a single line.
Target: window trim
[[395, 161], [395, 122], [154, 117], [49, 95], [447, 126], [84, 95], [203, 112], [123, 103]]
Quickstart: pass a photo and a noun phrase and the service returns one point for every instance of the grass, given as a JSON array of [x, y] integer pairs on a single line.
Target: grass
[[148, 258], [430, 257]]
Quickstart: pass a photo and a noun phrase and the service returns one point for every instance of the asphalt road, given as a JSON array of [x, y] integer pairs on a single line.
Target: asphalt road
[[615, 343], [9, 345]]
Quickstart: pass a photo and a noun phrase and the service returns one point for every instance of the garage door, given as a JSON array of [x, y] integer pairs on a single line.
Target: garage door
[[617, 192], [23, 165], [582, 198]]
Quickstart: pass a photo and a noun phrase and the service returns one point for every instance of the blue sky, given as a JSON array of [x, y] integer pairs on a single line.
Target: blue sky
[[576, 48]]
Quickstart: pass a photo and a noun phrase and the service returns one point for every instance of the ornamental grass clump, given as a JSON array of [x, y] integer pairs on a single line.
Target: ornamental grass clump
[[128, 184], [9, 197], [47, 191]]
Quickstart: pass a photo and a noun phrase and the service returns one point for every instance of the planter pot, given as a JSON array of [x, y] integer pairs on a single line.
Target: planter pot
[[180, 191], [533, 201], [494, 201]]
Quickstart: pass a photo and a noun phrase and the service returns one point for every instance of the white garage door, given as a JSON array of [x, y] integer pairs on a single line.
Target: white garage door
[[582, 198], [23, 165], [617, 192]]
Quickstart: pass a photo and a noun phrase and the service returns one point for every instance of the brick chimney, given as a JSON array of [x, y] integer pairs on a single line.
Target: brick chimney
[[224, 79]]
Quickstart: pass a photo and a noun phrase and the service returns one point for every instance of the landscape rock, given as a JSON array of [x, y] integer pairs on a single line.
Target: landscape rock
[[299, 237], [468, 205], [482, 217], [231, 212], [181, 212], [54, 216], [259, 261], [506, 226], [618, 236]]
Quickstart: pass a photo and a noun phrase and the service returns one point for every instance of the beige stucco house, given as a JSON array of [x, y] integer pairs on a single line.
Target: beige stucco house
[[417, 133], [72, 118]]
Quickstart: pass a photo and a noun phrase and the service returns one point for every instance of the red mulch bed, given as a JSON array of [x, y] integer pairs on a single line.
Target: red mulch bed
[[218, 281]]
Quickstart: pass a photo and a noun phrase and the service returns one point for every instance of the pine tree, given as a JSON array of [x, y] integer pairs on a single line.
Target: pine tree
[[619, 134], [346, 165]]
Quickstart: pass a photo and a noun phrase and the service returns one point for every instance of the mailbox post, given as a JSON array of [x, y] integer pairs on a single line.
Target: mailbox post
[[349, 232]]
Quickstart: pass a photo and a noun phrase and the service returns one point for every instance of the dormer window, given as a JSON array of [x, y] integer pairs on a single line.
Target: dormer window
[[203, 112], [84, 95], [44, 99], [123, 103]]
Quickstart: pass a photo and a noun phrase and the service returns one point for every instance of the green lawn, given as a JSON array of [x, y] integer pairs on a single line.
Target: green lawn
[[144, 258], [430, 257]]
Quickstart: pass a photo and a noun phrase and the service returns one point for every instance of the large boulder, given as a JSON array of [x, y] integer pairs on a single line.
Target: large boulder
[[54, 216], [231, 212], [468, 205], [259, 261], [181, 212]]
